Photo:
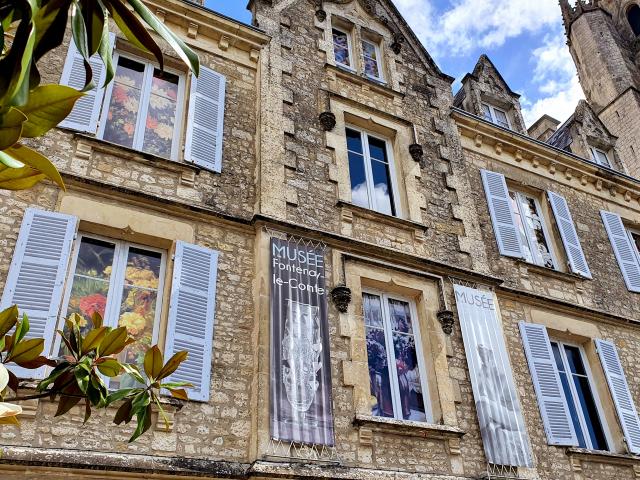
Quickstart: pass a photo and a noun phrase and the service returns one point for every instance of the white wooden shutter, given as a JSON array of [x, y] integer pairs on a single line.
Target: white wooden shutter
[[546, 381], [85, 113], [205, 123], [569, 235], [191, 316], [623, 249], [620, 393], [504, 224], [37, 274]]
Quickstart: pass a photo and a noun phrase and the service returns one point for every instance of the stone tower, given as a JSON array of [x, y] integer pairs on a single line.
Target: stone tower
[[604, 40]]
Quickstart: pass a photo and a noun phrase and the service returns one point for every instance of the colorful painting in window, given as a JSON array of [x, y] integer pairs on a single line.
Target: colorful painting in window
[[341, 48], [370, 53], [161, 114], [124, 106]]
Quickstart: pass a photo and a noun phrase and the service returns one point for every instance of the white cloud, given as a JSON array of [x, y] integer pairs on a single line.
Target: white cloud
[[469, 24], [555, 75]]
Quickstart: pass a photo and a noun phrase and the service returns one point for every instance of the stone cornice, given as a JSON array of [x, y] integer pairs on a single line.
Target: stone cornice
[[542, 159]]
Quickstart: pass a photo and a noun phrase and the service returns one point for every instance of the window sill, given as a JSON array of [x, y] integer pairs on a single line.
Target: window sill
[[603, 456], [105, 146], [566, 276], [380, 217], [408, 427]]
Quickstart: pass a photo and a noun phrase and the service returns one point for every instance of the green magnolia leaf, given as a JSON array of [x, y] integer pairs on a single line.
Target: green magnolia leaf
[[144, 422], [153, 362], [96, 320], [19, 178], [11, 126], [51, 23], [14, 383], [119, 395], [124, 413], [187, 55], [26, 350], [36, 161], [94, 18], [106, 50], [176, 385], [114, 342], [37, 363], [48, 105], [92, 340], [110, 367], [82, 377], [179, 393], [87, 411], [133, 371], [172, 365], [79, 33], [22, 328], [8, 318], [61, 369], [67, 402]]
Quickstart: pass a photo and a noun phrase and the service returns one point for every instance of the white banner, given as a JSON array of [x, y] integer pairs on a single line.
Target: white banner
[[499, 414]]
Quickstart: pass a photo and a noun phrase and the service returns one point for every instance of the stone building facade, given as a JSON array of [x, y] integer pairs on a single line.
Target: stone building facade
[[328, 121]]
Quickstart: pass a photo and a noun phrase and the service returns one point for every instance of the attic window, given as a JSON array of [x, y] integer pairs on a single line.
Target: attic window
[[342, 48], [495, 115], [600, 157], [633, 15]]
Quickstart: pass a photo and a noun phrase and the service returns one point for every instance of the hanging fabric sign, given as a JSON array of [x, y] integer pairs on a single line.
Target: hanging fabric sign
[[301, 409], [501, 422]]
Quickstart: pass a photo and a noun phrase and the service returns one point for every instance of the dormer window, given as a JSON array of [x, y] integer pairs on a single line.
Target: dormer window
[[633, 15], [342, 48], [600, 157], [495, 115], [371, 56]]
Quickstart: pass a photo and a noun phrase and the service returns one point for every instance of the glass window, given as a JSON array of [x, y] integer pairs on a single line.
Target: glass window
[[370, 171], [633, 15], [600, 157], [581, 401], [371, 54], [495, 115], [342, 48], [142, 108], [533, 232], [395, 362], [123, 283], [635, 241]]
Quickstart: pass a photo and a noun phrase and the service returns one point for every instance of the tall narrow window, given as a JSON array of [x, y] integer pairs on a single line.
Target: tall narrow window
[[533, 232], [396, 373], [371, 172], [634, 236], [495, 115], [123, 283], [342, 48], [581, 401], [371, 55], [142, 108], [600, 157], [633, 15]]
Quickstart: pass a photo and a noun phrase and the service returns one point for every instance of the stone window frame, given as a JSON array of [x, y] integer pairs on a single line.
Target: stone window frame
[[594, 392], [425, 293], [569, 329], [376, 41], [180, 122]]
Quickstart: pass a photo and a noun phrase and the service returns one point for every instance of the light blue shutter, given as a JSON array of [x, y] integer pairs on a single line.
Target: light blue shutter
[[205, 126], [569, 235], [37, 273], [86, 111], [546, 381], [620, 393], [623, 249], [191, 316], [504, 224]]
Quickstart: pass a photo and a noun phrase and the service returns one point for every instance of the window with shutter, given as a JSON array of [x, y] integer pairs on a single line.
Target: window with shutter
[[569, 235], [554, 410], [191, 316], [205, 127], [624, 250], [620, 393], [86, 111], [504, 222], [37, 273]]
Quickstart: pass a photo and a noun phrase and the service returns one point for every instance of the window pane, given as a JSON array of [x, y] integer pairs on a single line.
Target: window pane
[[524, 244], [138, 307], [359, 190], [124, 105], [379, 373], [341, 48], [354, 141], [372, 307], [90, 282], [571, 404], [602, 158], [382, 187], [501, 118], [400, 314], [409, 385], [635, 238], [534, 224], [590, 412], [161, 114], [378, 149], [486, 111], [370, 59]]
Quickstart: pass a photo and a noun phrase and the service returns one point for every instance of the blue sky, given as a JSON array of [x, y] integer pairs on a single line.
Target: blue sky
[[524, 38]]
